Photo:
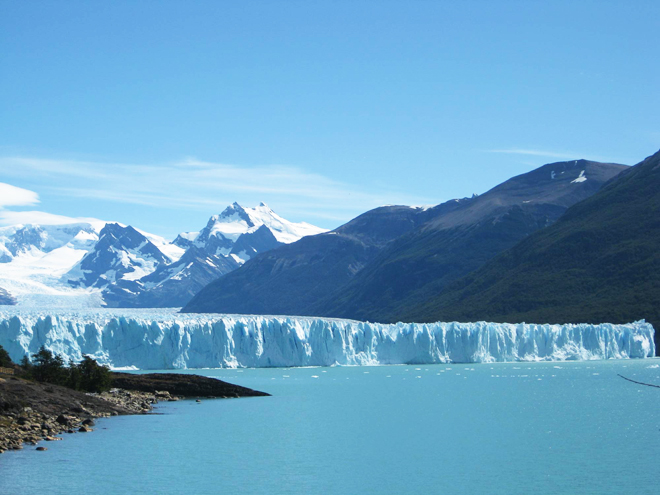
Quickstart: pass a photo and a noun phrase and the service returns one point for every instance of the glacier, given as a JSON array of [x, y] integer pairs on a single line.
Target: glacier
[[165, 339]]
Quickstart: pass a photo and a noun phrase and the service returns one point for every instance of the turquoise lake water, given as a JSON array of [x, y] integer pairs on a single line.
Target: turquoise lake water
[[506, 428]]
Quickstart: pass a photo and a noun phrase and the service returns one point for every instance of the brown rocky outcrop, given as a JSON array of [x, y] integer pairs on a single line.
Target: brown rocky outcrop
[[31, 411]]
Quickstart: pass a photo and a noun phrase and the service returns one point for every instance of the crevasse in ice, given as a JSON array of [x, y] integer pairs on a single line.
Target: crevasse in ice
[[164, 339]]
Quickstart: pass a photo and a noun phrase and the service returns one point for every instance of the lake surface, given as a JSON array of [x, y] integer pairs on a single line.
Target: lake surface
[[542, 428]]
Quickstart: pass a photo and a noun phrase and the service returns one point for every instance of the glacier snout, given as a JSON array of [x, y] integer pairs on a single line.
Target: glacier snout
[[165, 340]]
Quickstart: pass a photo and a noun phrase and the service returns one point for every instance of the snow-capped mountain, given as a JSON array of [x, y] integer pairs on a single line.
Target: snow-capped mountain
[[20, 240], [121, 254], [226, 242], [33, 258], [242, 232], [106, 263], [171, 284]]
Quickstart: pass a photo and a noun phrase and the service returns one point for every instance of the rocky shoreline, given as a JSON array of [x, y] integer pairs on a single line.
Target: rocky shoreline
[[32, 412]]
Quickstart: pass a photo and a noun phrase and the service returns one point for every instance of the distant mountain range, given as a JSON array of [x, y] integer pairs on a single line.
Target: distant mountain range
[[573, 241], [390, 259], [120, 266], [293, 278], [420, 264]]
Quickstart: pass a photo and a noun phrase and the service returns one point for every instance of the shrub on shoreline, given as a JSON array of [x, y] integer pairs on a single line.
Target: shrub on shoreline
[[5, 360], [86, 376]]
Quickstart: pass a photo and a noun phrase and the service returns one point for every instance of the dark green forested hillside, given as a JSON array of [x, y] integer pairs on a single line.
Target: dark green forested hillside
[[417, 266], [599, 263]]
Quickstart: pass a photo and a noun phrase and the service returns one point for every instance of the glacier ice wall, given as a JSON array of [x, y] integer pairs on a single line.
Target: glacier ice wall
[[162, 339]]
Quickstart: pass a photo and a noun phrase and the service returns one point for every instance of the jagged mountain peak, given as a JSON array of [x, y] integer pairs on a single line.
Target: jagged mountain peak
[[223, 231], [114, 264], [232, 214], [125, 234], [25, 238], [121, 253], [237, 219], [229, 239]]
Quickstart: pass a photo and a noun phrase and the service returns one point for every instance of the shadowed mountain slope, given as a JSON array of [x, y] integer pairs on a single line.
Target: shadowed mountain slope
[[6, 298], [419, 265], [599, 263], [291, 278], [389, 258]]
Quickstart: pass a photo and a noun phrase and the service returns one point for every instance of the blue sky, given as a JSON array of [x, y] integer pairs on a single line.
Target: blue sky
[[158, 114]]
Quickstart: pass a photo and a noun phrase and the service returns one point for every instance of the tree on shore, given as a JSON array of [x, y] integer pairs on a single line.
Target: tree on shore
[[46, 367], [93, 376], [88, 375], [5, 360]]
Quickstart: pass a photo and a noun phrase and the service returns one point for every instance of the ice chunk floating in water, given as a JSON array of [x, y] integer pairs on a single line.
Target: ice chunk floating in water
[[161, 339]]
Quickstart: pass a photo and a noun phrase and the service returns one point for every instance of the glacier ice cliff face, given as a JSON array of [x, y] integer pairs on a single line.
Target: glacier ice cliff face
[[162, 339]]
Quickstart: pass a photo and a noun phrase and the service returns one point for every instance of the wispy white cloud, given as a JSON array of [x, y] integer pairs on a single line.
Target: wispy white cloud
[[528, 152], [26, 166], [12, 196], [202, 185], [561, 155], [16, 196], [9, 217]]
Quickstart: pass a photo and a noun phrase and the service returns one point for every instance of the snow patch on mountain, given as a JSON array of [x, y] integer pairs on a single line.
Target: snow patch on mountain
[[168, 248], [580, 178]]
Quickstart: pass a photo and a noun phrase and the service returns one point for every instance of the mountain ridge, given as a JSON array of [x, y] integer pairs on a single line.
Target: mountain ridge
[[599, 262], [325, 275], [117, 265], [303, 271], [450, 245]]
